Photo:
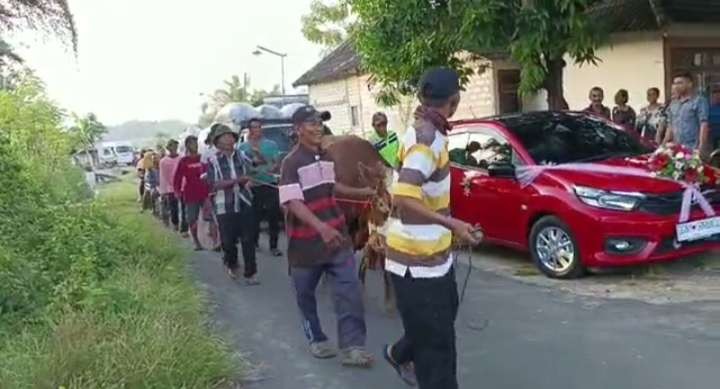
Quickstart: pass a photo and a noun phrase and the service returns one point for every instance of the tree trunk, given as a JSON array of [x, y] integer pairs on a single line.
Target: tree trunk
[[554, 85]]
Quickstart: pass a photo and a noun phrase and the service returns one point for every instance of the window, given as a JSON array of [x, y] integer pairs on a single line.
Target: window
[[554, 139], [490, 149], [354, 121], [481, 149]]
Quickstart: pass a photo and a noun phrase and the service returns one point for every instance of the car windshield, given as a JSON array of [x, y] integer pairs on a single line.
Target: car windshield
[[281, 136], [565, 138], [124, 149]]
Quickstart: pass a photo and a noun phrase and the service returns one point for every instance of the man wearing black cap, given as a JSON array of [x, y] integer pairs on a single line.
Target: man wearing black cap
[[233, 203], [419, 237], [318, 242]]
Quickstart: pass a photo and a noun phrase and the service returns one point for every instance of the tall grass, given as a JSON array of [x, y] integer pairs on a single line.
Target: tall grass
[[92, 294]]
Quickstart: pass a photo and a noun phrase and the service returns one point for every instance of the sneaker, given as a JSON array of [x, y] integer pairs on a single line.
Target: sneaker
[[406, 371], [252, 281], [357, 357], [276, 253], [232, 273], [322, 350]]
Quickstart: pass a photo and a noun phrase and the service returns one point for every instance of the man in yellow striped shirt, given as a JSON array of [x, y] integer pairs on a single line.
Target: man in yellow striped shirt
[[419, 240]]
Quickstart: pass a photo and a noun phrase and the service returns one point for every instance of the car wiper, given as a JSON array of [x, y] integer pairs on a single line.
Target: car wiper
[[601, 157]]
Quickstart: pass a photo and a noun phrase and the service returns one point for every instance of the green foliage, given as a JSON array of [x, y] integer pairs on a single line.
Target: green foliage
[[87, 131], [399, 39], [92, 294], [327, 24]]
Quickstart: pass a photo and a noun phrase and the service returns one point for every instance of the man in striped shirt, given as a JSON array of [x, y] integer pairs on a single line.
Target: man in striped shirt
[[233, 203], [419, 239], [318, 243]]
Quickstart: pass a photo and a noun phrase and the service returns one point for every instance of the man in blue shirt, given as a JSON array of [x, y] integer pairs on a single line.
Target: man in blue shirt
[[715, 115], [265, 156], [688, 116]]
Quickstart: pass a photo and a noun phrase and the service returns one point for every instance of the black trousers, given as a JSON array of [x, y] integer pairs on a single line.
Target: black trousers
[[182, 211], [266, 202], [238, 226], [428, 308]]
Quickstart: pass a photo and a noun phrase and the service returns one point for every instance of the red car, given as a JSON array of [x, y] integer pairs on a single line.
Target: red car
[[568, 220]]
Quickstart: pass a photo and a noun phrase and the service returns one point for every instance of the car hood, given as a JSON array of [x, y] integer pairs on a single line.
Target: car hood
[[618, 181]]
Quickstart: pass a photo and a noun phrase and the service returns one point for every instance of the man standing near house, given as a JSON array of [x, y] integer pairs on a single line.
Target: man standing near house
[[318, 242], [265, 156], [419, 239], [168, 166], [688, 117], [596, 107], [385, 142], [715, 115], [227, 176], [190, 187]]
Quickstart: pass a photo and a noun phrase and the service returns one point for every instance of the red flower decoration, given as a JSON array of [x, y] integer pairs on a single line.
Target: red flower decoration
[[659, 162], [691, 176]]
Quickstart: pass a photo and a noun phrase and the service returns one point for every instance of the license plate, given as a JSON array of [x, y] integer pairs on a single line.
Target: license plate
[[697, 230]]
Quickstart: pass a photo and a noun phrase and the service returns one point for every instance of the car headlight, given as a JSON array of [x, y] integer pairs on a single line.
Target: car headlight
[[618, 201]]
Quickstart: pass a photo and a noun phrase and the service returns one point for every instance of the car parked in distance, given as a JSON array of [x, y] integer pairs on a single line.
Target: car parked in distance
[[568, 220]]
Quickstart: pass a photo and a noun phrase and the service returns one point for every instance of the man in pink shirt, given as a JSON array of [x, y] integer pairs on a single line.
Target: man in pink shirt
[[168, 166]]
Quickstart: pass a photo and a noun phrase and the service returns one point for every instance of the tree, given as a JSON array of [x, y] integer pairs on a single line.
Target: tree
[[327, 24], [50, 16], [398, 39], [87, 130], [258, 95], [10, 63], [234, 91]]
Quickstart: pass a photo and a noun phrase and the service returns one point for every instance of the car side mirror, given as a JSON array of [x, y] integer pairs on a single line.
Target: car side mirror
[[501, 170]]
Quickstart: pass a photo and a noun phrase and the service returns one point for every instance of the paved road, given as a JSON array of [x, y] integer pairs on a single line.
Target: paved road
[[510, 335]]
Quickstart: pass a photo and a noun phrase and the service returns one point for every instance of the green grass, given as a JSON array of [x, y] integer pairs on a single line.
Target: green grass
[[141, 326]]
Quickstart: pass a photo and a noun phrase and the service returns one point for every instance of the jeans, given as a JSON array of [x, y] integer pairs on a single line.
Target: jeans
[[346, 295], [428, 308], [238, 226], [266, 202]]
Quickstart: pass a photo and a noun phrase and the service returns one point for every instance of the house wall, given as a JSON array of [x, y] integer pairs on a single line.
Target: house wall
[[339, 97], [633, 61], [478, 98], [334, 97]]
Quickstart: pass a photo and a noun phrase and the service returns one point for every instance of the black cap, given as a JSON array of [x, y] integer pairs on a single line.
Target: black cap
[[306, 113], [439, 83]]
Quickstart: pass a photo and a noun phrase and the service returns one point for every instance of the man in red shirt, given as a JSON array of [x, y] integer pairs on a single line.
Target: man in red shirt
[[190, 187]]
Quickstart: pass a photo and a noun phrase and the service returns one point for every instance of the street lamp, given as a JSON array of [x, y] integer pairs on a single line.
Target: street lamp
[[261, 49]]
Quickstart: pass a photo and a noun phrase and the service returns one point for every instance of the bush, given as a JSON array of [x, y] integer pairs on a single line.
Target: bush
[[91, 294]]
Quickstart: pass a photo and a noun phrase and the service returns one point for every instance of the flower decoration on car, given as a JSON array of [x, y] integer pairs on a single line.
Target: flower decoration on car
[[679, 163]]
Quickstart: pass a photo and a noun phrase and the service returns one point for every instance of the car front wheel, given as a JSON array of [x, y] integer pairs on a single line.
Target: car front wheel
[[555, 250]]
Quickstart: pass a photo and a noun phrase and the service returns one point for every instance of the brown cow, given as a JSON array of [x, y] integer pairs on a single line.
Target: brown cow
[[358, 164]]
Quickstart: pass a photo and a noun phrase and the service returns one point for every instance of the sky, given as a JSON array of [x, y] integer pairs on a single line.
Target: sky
[[152, 59]]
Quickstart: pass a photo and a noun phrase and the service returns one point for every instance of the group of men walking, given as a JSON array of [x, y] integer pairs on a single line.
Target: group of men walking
[[233, 185]]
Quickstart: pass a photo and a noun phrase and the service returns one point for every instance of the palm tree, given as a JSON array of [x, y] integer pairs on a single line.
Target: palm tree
[[87, 131], [235, 91]]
